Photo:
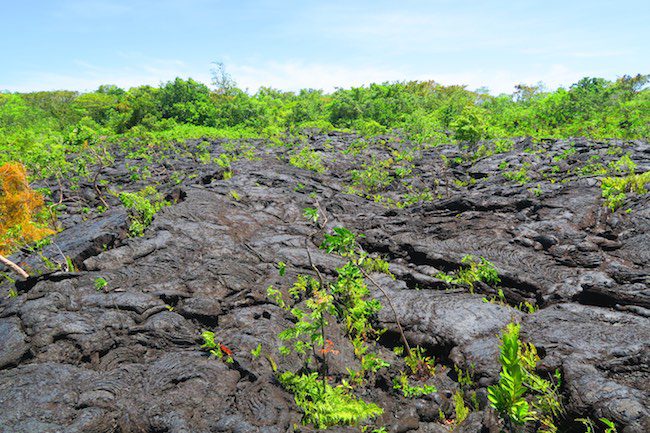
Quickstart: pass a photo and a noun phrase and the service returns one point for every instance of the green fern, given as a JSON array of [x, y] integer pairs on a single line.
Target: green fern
[[326, 406], [462, 411]]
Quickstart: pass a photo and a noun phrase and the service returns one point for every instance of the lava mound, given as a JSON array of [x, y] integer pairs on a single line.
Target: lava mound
[[112, 341]]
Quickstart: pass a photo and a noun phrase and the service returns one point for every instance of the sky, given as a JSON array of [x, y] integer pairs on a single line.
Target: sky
[[290, 45]]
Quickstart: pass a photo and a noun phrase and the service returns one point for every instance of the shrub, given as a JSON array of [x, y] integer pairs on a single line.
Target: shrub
[[308, 159], [615, 189], [470, 125], [317, 306], [142, 206], [21, 221]]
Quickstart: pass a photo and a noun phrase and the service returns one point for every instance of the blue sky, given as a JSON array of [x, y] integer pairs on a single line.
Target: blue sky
[[80, 44]]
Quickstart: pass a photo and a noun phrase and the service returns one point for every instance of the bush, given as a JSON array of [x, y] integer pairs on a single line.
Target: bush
[[142, 206], [21, 221], [470, 125], [615, 189]]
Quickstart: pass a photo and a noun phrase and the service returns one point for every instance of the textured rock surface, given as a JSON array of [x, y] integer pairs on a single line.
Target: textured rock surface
[[127, 358]]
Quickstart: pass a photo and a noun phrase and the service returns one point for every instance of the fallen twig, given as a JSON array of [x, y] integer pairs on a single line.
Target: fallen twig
[[20, 271]]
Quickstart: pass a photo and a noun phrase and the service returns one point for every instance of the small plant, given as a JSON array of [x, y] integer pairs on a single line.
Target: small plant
[[308, 159], [464, 183], [520, 176], [593, 167], [507, 396], [326, 406], [376, 264], [224, 161], [610, 427], [479, 270], [546, 400], [374, 176], [311, 214], [203, 152], [615, 189], [502, 145], [276, 296], [519, 380], [590, 425], [234, 195], [460, 408], [565, 154], [421, 365], [623, 165], [176, 177], [355, 147], [100, 283], [465, 378], [257, 351], [500, 299], [142, 207], [402, 384], [537, 191], [216, 349]]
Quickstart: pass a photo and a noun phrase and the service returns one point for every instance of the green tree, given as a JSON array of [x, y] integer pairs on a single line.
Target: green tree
[[470, 124]]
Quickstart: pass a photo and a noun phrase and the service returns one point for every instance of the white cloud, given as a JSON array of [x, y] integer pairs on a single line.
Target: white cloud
[[89, 76], [292, 75], [503, 81], [299, 75]]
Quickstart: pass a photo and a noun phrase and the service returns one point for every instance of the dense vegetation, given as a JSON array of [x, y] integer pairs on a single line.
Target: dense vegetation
[[40, 128]]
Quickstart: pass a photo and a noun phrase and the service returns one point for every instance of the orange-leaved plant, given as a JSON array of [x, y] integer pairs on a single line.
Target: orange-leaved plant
[[19, 209]]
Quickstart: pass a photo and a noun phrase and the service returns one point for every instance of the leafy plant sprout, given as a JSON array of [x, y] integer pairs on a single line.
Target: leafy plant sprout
[[100, 283], [518, 380], [215, 348], [478, 269]]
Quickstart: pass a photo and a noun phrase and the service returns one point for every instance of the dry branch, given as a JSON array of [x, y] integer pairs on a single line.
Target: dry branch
[[20, 271]]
